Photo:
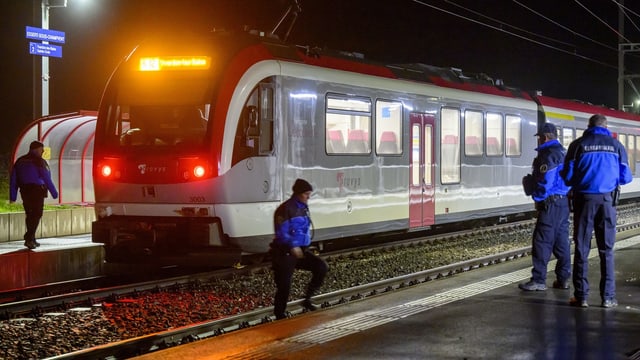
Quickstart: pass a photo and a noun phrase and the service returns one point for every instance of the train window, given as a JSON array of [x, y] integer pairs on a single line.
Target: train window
[[623, 139], [163, 125], [629, 142], [513, 132], [567, 137], [265, 145], [254, 133], [631, 152], [579, 133], [473, 139], [388, 127], [415, 150], [348, 125], [494, 131], [428, 135], [450, 146]]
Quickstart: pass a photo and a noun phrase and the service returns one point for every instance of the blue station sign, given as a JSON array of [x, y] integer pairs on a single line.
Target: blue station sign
[[35, 33], [45, 49]]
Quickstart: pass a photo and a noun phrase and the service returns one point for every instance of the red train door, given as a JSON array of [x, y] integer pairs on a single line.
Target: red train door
[[421, 170]]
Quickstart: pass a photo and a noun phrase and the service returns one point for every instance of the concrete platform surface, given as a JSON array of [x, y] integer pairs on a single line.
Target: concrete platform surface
[[476, 315]]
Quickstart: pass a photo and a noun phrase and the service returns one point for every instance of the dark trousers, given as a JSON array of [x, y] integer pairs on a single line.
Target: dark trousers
[[551, 235], [32, 202], [284, 264], [594, 212]]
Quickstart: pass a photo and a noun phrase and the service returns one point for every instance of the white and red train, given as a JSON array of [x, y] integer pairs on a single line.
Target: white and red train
[[198, 141]]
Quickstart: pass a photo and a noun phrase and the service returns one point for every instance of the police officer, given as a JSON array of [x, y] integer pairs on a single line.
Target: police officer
[[289, 249], [30, 173], [551, 233], [595, 165]]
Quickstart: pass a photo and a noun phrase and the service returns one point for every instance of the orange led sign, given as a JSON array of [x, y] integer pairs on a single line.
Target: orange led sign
[[174, 63]]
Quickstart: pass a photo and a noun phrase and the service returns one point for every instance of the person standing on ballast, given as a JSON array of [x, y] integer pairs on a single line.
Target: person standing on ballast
[[290, 248]]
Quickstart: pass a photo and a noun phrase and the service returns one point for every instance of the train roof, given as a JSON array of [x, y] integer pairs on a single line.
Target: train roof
[[451, 78], [443, 77], [585, 108], [455, 79]]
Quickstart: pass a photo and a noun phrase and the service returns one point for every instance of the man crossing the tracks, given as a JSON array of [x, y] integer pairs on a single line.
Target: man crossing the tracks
[[289, 249]]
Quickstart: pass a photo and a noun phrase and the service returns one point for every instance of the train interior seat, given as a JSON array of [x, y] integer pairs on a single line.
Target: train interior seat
[[358, 142], [512, 147], [473, 147], [388, 143], [336, 142], [493, 146]]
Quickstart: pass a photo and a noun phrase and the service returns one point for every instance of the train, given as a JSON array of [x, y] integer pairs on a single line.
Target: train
[[198, 140]]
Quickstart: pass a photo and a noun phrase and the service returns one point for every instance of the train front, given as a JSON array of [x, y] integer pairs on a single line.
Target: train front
[[154, 167]]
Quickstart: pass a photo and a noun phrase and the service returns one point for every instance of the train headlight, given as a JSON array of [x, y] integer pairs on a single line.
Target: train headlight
[[199, 171]]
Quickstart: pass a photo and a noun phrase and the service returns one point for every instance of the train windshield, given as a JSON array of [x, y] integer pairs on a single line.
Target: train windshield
[[162, 111]]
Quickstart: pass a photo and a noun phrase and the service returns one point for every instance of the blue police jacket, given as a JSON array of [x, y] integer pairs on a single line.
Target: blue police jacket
[[546, 171], [30, 169], [292, 224], [596, 163]]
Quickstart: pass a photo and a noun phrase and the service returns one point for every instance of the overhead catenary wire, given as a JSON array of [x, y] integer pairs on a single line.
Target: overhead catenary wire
[[626, 11], [564, 27], [573, 53], [621, 36], [509, 25]]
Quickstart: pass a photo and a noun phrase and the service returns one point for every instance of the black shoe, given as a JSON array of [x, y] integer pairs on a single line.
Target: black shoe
[[609, 303], [30, 244], [564, 285], [36, 243], [280, 316], [308, 305], [578, 302]]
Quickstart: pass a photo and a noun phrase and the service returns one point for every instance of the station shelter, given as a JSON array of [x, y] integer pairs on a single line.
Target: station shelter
[[68, 148]]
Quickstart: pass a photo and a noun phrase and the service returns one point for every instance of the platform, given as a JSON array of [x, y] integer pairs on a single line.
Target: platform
[[474, 315], [57, 259]]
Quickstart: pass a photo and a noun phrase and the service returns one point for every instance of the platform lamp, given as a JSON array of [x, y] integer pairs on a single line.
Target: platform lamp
[[46, 5]]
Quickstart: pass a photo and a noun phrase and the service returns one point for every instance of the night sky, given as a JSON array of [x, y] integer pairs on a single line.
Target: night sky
[[574, 55]]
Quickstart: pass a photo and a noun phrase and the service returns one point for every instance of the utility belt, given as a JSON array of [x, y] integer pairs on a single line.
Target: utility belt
[[615, 196], [551, 199]]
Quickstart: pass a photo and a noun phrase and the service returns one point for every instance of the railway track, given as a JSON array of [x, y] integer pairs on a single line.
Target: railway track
[[148, 343], [62, 296], [188, 334]]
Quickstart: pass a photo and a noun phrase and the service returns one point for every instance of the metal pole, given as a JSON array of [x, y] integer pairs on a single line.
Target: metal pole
[[621, 56], [45, 62]]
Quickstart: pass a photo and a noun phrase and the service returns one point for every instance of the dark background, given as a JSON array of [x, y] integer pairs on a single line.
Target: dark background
[[575, 57]]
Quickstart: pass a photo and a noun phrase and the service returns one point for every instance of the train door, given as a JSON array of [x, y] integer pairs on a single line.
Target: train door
[[421, 170]]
